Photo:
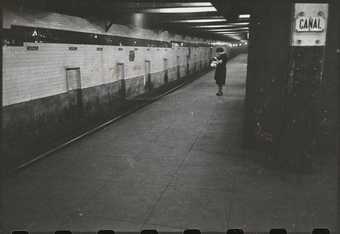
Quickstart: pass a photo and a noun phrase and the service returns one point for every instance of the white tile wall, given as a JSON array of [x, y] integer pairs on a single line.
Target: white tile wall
[[29, 75]]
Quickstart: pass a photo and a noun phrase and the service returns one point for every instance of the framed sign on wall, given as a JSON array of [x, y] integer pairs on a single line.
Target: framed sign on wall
[[309, 24]]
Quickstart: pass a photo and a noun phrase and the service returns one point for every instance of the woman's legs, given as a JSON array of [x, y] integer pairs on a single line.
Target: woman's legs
[[219, 92]]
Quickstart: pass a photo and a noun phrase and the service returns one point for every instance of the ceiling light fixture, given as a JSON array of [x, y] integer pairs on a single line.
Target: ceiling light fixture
[[228, 32], [227, 29], [221, 30], [240, 23], [195, 4], [199, 21], [211, 26], [181, 10], [231, 30], [221, 25], [244, 16]]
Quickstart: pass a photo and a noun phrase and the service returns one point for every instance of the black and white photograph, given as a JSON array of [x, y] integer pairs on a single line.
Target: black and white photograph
[[176, 116]]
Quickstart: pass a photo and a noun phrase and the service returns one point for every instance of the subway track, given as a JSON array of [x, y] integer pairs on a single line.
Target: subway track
[[131, 106]]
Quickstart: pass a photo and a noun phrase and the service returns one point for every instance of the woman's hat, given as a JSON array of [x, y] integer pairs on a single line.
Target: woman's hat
[[219, 50]]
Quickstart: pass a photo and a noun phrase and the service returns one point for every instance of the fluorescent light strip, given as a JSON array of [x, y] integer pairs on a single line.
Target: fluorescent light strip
[[224, 28], [210, 26], [181, 10], [236, 38], [219, 25], [238, 34], [229, 25], [228, 32], [244, 16], [199, 21], [227, 29], [220, 30], [240, 23], [232, 30], [196, 4], [231, 35]]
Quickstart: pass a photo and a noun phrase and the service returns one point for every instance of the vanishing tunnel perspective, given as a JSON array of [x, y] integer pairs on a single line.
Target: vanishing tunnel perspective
[[169, 115]]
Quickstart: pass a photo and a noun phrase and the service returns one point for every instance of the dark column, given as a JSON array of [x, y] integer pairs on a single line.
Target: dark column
[[1, 103], [335, 17], [291, 100], [304, 111], [266, 77]]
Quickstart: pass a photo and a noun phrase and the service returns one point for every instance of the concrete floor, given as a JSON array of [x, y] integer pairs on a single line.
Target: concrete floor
[[174, 164]]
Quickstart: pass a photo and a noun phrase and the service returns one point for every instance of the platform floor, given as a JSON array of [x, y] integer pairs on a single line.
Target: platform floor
[[174, 164]]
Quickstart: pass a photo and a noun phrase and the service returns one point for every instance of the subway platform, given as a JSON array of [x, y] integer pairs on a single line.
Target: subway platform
[[175, 164]]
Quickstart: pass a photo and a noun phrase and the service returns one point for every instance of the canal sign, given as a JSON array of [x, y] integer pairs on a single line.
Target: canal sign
[[309, 24]]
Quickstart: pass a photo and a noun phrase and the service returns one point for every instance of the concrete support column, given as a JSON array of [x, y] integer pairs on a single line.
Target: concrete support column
[[1, 157], [266, 76], [290, 93], [302, 107]]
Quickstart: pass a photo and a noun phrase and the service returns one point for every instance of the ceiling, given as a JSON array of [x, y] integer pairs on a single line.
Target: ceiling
[[226, 20]]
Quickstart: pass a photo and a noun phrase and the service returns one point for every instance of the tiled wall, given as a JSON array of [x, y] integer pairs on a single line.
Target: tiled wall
[[38, 49], [37, 70], [30, 75]]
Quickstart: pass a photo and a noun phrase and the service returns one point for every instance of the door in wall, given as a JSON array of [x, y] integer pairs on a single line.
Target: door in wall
[[166, 70], [121, 79], [210, 54], [188, 65], [73, 85], [178, 68], [147, 76]]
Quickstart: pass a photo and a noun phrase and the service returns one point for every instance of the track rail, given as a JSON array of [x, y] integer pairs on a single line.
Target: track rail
[[146, 101]]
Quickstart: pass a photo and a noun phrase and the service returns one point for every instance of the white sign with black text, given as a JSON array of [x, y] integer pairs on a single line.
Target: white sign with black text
[[309, 24]]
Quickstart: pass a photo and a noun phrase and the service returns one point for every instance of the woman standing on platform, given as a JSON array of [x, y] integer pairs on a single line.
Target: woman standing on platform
[[220, 74]]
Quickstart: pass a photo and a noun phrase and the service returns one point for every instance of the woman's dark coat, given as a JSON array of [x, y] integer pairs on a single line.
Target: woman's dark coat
[[220, 73]]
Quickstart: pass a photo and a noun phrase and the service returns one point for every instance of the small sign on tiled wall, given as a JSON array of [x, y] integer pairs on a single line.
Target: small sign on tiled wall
[[32, 47]]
